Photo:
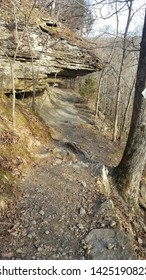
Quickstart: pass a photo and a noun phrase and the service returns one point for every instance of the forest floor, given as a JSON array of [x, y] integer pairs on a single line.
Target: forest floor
[[62, 213]]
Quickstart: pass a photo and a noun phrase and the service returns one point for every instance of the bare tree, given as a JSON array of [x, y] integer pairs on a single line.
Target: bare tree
[[128, 173], [115, 131], [122, 86], [126, 113], [108, 62], [18, 41]]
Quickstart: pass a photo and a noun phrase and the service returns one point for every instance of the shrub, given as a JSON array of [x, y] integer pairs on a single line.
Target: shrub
[[88, 88]]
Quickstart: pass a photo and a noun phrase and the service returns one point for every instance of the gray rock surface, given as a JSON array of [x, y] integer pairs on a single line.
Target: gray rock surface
[[52, 55], [109, 244]]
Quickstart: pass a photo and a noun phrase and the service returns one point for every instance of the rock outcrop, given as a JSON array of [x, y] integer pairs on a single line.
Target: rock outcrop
[[40, 55]]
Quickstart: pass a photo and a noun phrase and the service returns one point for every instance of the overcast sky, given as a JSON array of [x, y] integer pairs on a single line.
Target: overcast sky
[[109, 25]]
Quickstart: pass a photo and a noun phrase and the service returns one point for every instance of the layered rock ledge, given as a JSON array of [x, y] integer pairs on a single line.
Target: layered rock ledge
[[37, 54]]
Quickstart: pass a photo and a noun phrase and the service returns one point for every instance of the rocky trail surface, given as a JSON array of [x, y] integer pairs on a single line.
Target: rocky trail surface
[[62, 214]]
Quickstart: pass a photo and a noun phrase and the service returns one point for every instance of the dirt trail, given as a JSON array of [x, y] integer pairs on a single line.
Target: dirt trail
[[60, 195], [74, 122]]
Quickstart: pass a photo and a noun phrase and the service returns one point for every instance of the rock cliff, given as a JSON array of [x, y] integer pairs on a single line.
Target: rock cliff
[[40, 54]]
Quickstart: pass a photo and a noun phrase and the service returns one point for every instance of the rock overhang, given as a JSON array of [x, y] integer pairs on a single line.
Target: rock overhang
[[41, 55]]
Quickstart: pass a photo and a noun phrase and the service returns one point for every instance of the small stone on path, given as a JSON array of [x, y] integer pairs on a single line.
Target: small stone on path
[[83, 183], [80, 226], [82, 211], [42, 213]]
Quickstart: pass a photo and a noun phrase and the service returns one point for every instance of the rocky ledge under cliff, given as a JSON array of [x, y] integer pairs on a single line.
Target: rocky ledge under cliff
[[38, 53]]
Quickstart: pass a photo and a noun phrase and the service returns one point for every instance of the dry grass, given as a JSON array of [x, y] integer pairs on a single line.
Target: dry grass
[[17, 147]]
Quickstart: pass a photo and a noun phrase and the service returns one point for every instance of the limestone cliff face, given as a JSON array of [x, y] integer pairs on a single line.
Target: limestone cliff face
[[41, 56]]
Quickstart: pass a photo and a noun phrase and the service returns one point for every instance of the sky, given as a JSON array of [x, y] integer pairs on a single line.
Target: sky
[[108, 26]]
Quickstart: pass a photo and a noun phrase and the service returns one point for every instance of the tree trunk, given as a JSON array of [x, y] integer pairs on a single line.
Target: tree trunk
[[98, 94], [97, 102], [129, 172], [14, 95], [118, 98], [126, 114]]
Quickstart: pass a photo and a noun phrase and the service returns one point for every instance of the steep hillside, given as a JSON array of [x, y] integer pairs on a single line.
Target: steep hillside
[[18, 147]]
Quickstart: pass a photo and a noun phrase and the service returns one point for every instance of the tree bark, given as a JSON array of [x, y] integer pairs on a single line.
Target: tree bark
[[128, 173], [126, 113]]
